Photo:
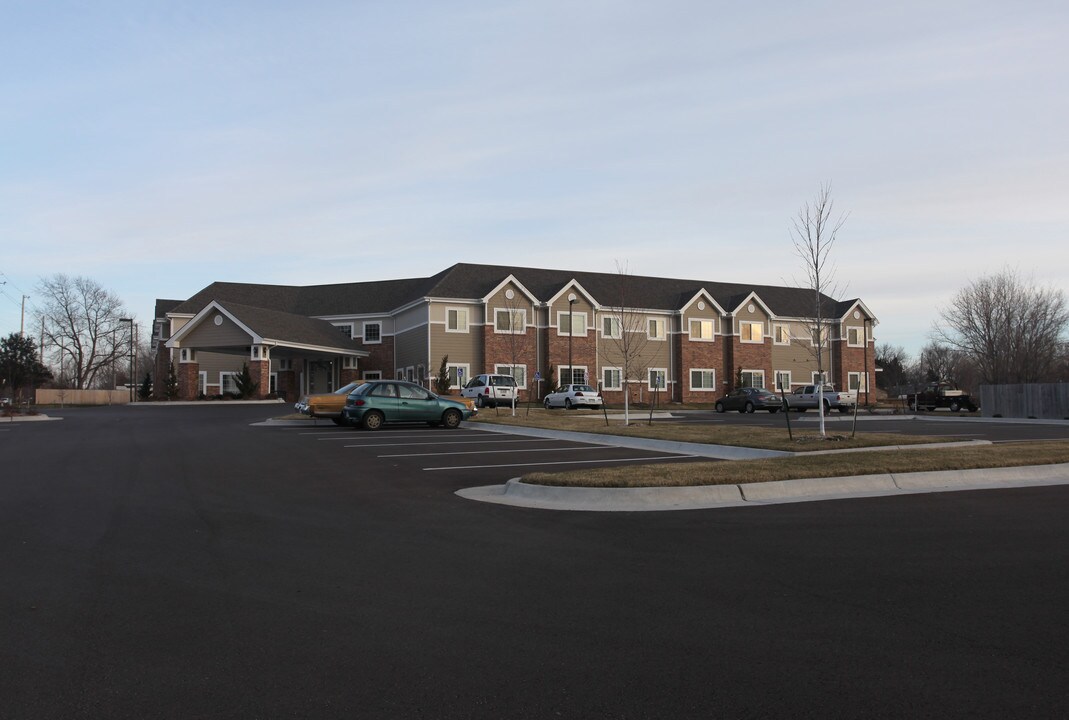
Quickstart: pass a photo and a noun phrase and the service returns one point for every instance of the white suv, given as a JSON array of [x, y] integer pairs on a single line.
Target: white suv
[[489, 390]]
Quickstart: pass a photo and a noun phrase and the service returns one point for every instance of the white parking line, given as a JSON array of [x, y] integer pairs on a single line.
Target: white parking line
[[396, 437], [351, 433], [462, 442], [487, 452], [563, 462]]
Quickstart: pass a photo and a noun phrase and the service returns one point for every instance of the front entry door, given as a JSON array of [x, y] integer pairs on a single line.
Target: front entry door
[[320, 377]]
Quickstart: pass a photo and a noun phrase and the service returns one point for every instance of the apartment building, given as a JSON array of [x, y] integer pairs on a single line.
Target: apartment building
[[686, 341]]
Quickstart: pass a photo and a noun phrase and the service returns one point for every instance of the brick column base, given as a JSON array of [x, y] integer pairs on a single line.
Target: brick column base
[[260, 370], [188, 380]]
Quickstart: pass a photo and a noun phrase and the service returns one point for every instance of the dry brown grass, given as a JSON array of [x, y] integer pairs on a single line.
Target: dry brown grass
[[792, 468], [805, 440]]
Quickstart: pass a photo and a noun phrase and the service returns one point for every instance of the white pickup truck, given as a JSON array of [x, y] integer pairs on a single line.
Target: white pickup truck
[[806, 397]]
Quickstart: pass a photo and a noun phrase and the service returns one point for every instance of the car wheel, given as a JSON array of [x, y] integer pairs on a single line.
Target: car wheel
[[720, 407], [451, 419], [479, 402], [749, 407], [844, 410], [545, 403], [373, 420], [955, 406], [568, 404]]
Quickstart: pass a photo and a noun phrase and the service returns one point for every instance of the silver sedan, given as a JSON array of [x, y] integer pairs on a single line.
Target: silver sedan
[[573, 396]]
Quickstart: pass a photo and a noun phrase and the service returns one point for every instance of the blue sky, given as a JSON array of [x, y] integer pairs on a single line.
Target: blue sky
[[157, 147]]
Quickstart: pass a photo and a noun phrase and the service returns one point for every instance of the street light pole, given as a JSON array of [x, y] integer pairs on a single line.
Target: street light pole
[[130, 380], [571, 334]]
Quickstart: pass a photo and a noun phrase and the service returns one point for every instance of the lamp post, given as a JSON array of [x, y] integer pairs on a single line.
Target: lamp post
[[130, 380], [571, 334]]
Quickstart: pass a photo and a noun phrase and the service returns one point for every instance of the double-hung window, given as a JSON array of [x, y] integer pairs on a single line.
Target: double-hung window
[[611, 378], [611, 328], [372, 332], [565, 321], [456, 320], [781, 335], [656, 329], [753, 378], [702, 380], [855, 336], [658, 378]]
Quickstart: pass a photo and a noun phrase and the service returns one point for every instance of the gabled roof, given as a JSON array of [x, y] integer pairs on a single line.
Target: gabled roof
[[468, 281], [275, 328]]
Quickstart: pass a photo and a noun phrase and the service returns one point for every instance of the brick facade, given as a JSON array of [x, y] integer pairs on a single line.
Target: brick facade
[[260, 371], [188, 380], [704, 355], [287, 385], [380, 357], [749, 356], [504, 349]]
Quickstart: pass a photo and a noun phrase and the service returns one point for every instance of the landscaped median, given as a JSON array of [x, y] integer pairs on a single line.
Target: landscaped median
[[806, 463]]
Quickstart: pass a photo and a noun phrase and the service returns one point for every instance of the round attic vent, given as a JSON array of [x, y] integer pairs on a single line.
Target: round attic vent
[[218, 319], [701, 306], [571, 297], [856, 315], [751, 308], [509, 294]]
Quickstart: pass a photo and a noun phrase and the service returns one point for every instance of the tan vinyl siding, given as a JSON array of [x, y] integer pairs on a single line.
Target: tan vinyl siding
[[462, 348]]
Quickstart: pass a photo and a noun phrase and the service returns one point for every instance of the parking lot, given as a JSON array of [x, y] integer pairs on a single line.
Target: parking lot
[[467, 453]]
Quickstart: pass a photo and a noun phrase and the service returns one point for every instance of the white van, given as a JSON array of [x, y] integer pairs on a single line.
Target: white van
[[490, 390]]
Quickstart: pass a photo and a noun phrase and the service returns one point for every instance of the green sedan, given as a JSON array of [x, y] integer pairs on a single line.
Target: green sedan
[[378, 402]]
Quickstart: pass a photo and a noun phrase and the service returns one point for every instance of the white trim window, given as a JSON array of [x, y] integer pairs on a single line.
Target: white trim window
[[753, 378], [611, 327], [751, 332], [517, 372], [855, 336], [572, 376], [459, 373], [510, 321], [702, 330], [781, 334], [228, 383], [372, 333], [564, 319], [348, 362], [783, 380], [656, 329], [703, 380], [456, 320], [814, 338], [816, 378], [372, 375], [399, 374], [612, 378], [857, 381], [273, 383], [202, 382], [658, 379], [346, 329]]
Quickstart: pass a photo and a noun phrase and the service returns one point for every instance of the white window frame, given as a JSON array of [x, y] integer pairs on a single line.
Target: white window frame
[[860, 331], [187, 355], [348, 362], [701, 336], [466, 367], [285, 364], [273, 383], [860, 378], [371, 375], [561, 314], [620, 375], [776, 332], [662, 324], [787, 385], [346, 327], [522, 312], [364, 333], [399, 374], [507, 369], [753, 372], [571, 375], [222, 381], [615, 320], [751, 324], [202, 381], [649, 378], [712, 379], [459, 311]]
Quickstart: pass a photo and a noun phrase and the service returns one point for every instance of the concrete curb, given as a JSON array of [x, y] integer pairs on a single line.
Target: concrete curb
[[519, 494], [27, 418], [719, 452]]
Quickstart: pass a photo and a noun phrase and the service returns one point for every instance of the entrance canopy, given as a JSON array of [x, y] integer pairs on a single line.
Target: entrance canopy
[[231, 328]]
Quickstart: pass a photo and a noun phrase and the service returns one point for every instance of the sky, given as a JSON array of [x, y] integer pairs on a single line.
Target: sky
[[157, 147]]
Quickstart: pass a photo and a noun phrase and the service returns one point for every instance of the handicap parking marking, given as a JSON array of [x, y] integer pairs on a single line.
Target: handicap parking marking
[[563, 462], [490, 452]]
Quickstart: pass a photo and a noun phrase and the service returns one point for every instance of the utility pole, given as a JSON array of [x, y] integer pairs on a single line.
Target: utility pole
[[22, 317], [130, 381]]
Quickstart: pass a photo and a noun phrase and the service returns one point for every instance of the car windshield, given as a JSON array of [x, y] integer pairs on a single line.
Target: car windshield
[[347, 389], [582, 388], [361, 389]]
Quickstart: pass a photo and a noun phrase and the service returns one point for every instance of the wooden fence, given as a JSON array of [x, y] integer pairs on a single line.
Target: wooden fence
[[83, 397], [1048, 401]]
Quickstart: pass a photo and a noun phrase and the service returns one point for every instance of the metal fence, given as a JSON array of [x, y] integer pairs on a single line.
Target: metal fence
[[1049, 401]]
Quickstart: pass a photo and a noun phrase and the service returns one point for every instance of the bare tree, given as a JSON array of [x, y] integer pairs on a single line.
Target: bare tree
[[1012, 329], [82, 324], [894, 363], [939, 362], [814, 232], [514, 323], [626, 331]]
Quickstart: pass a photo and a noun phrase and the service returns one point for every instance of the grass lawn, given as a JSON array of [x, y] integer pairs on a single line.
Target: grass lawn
[[805, 438]]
